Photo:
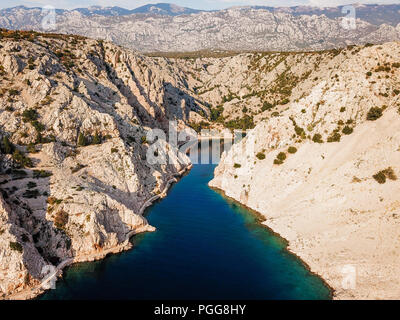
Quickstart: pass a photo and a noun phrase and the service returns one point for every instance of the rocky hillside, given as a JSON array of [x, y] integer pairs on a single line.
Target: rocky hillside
[[323, 171], [171, 28], [242, 90], [74, 114]]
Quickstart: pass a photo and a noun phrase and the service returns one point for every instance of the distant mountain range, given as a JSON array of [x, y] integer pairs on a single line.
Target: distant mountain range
[[160, 8], [168, 27]]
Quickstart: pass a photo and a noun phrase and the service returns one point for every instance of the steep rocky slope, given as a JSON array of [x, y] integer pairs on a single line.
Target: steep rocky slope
[[324, 171], [74, 115], [239, 28]]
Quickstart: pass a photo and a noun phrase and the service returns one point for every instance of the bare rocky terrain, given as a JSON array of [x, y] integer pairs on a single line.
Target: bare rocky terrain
[[171, 28]]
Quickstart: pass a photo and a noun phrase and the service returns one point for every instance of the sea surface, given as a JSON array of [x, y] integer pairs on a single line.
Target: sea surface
[[206, 247]]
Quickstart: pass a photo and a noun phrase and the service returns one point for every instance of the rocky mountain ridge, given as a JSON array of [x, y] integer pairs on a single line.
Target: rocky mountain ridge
[[238, 28]]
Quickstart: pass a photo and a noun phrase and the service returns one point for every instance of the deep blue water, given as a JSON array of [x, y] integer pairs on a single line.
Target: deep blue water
[[205, 247]]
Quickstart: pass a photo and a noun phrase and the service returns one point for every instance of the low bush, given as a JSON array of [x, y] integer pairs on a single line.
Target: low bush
[[347, 130], [29, 115], [21, 159], [281, 156], [16, 246], [389, 173], [237, 165], [334, 137], [292, 150], [41, 174], [317, 138], [260, 156], [381, 176], [374, 114]]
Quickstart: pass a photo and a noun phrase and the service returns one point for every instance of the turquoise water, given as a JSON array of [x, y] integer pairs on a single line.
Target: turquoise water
[[205, 247]]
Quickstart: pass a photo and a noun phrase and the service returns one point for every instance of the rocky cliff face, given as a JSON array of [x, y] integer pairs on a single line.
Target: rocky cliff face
[[323, 172], [242, 28], [74, 114]]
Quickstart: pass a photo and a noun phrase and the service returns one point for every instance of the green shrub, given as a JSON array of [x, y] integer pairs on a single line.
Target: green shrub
[[13, 92], [237, 165], [38, 126], [21, 159], [374, 114], [389, 173], [334, 137], [317, 138], [260, 156], [342, 109], [114, 150], [299, 131], [29, 115], [31, 148], [16, 246], [281, 156], [347, 130], [292, 150], [278, 162], [267, 106], [41, 174], [380, 177]]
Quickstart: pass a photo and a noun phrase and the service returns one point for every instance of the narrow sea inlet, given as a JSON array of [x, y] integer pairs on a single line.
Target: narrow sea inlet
[[205, 247]]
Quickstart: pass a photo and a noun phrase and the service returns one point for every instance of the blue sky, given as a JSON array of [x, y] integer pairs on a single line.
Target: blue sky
[[198, 4]]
